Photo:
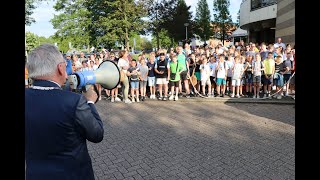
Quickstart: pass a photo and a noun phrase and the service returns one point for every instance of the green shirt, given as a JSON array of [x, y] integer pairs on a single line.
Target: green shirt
[[173, 67], [181, 58], [269, 65]]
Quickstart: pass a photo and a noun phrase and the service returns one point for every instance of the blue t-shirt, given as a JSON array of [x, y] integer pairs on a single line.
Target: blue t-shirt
[[69, 66], [151, 72]]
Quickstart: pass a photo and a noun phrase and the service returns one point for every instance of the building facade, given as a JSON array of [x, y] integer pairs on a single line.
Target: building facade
[[266, 20]]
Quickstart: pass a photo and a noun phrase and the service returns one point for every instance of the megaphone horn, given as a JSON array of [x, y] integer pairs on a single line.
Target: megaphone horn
[[107, 75]]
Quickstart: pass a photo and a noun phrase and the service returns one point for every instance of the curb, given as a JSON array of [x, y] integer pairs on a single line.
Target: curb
[[233, 100]]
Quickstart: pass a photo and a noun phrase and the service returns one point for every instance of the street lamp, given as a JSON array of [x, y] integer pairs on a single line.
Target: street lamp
[[186, 25]]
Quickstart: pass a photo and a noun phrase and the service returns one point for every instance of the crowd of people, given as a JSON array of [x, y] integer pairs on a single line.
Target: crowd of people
[[242, 70]]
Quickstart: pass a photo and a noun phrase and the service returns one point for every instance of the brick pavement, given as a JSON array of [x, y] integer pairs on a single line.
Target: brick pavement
[[195, 140]]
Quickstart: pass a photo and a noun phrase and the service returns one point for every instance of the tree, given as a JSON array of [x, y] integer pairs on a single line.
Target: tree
[[175, 20], [238, 19], [222, 17], [113, 21], [72, 24], [32, 41], [202, 20], [164, 39]]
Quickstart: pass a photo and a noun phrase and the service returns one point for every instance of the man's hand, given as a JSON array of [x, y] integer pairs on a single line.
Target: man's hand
[[91, 95]]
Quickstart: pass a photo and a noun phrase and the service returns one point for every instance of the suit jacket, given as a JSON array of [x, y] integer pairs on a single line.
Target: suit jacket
[[57, 125]]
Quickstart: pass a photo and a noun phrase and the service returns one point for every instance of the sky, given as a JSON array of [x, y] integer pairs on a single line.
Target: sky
[[45, 12]]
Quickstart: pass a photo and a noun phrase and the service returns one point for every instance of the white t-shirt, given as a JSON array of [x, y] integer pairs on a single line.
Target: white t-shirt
[[276, 45], [257, 68], [77, 64], [213, 66], [238, 68], [230, 65], [221, 70], [205, 73], [122, 63]]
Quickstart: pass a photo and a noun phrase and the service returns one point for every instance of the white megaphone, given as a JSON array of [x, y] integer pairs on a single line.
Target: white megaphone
[[107, 75]]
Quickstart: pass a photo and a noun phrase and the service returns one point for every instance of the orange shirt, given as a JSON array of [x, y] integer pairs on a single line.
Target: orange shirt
[[26, 73]]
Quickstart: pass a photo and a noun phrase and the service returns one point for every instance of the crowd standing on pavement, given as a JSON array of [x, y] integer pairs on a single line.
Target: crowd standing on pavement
[[259, 71]]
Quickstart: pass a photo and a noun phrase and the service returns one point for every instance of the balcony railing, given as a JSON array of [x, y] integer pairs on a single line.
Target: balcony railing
[[257, 4]]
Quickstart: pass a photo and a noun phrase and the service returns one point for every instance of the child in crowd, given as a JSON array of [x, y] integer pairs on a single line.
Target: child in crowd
[[133, 73], [205, 77], [143, 78], [174, 74], [278, 76], [237, 71], [257, 67]]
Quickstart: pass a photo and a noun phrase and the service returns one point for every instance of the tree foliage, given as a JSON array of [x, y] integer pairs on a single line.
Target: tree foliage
[[72, 23], [203, 20], [33, 40], [114, 20], [175, 20], [222, 18], [238, 19], [164, 40]]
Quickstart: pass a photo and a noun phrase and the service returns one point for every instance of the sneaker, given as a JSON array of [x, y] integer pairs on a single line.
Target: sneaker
[[180, 94], [160, 98], [171, 98], [137, 99], [279, 97], [112, 100], [164, 98], [232, 95], [286, 94], [127, 101], [294, 97], [188, 96], [176, 98], [222, 95], [237, 96], [117, 99], [254, 97], [142, 98], [265, 95]]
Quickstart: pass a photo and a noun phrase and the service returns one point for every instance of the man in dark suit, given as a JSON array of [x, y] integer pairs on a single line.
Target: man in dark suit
[[57, 122]]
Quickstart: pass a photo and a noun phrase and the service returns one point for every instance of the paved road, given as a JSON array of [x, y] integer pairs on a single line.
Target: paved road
[[195, 140]]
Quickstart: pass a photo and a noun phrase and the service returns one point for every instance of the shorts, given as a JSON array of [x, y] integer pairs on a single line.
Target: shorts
[[134, 84], [286, 78], [236, 82], [162, 81], [174, 83], [213, 80], [249, 79], [198, 75], [183, 75], [268, 80], [221, 81], [256, 79], [151, 81], [143, 84], [205, 82], [278, 82]]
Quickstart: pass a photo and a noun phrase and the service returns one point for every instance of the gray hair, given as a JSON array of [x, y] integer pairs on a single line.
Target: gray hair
[[43, 60]]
